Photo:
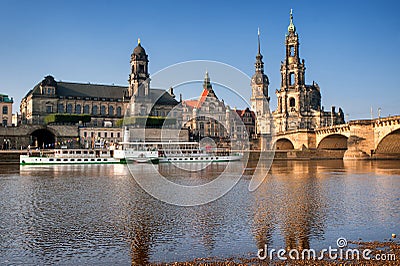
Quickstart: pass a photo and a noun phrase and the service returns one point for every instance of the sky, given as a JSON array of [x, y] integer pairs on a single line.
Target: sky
[[350, 47]]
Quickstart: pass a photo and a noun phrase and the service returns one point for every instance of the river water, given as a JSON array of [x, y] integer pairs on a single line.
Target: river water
[[98, 214]]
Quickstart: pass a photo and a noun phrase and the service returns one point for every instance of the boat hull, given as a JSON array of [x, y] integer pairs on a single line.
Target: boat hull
[[27, 160], [200, 159]]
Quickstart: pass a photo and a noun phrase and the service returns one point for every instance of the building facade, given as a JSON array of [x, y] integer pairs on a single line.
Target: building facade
[[105, 104], [208, 116], [6, 110], [299, 104], [249, 120]]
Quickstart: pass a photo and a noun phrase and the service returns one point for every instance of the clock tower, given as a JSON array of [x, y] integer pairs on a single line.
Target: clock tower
[[259, 97]]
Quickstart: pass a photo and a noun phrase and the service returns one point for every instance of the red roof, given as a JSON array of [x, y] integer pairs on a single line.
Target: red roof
[[242, 112], [199, 102]]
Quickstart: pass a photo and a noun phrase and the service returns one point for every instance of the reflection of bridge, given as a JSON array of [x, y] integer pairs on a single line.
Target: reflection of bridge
[[377, 138]]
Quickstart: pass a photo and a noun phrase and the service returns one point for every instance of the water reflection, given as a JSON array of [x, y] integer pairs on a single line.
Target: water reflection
[[98, 214]]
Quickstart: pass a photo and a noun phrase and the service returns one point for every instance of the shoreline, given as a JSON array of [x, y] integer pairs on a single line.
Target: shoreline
[[377, 247]]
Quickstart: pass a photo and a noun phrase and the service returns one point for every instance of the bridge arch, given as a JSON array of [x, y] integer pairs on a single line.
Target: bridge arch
[[284, 144], [42, 137], [389, 145], [333, 142]]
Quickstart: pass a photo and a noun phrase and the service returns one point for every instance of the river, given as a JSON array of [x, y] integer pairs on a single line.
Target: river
[[98, 214]]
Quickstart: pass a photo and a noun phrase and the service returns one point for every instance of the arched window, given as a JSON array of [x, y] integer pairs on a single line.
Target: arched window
[[292, 102], [292, 79], [103, 110], [119, 111], [78, 109], [291, 51], [111, 110], [86, 109], [95, 110], [69, 108], [60, 108]]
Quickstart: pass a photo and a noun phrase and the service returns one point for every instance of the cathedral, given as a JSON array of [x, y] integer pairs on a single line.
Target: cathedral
[[299, 104]]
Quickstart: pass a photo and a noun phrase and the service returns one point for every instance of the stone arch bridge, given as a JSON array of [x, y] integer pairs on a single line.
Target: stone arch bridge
[[360, 139]]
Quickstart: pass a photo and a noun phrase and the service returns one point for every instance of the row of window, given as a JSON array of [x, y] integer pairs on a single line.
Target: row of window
[[86, 109], [102, 134]]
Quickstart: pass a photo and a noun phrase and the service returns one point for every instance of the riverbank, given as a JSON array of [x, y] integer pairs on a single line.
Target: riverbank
[[382, 248]]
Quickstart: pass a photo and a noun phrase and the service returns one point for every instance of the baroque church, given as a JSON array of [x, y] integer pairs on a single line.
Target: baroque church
[[299, 104]]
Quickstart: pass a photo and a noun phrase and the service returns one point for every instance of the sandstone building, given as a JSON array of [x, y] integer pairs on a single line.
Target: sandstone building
[[6, 110], [208, 116], [299, 104]]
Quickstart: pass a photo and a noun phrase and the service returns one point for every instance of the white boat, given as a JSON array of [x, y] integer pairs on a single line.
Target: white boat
[[140, 152], [192, 152], [74, 156], [176, 152]]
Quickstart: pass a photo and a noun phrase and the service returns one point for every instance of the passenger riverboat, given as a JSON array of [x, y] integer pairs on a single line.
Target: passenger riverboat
[[192, 152], [176, 152], [74, 156]]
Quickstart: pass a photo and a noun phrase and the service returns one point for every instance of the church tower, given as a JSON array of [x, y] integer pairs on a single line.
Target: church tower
[[259, 97], [297, 102], [139, 73]]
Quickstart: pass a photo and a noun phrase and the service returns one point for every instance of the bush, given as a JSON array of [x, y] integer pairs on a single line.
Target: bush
[[67, 118], [148, 121]]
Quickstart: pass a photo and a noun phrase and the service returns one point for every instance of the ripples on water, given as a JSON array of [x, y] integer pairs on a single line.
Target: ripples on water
[[98, 214]]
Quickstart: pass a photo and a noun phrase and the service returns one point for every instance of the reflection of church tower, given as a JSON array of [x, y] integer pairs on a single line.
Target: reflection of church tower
[[139, 73], [259, 97]]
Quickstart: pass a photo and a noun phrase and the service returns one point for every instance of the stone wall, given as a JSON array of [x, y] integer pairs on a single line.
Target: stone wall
[[157, 134]]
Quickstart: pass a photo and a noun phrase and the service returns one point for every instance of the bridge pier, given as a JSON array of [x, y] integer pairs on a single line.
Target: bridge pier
[[361, 143]]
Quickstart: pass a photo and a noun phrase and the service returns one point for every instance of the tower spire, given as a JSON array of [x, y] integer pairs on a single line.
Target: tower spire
[[259, 63], [207, 83], [258, 33], [291, 27]]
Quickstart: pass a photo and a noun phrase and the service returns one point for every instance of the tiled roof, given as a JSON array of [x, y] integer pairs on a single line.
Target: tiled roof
[[90, 90], [71, 89], [200, 101]]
